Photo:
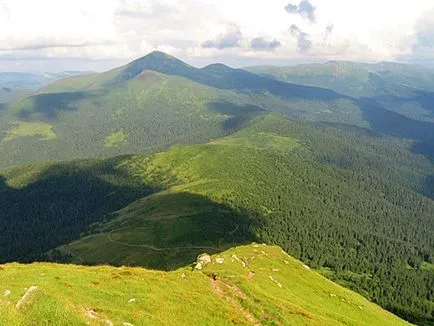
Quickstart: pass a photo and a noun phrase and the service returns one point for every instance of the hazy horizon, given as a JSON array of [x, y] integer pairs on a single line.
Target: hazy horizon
[[99, 35], [102, 65]]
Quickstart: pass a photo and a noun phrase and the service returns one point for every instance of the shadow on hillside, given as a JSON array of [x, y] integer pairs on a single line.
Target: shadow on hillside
[[226, 78], [48, 106], [429, 185], [240, 115], [424, 98], [69, 201], [246, 82], [397, 125], [165, 231], [384, 121], [60, 205]]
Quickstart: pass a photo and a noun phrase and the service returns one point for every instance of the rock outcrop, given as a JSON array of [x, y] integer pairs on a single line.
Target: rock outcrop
[[202, 260]]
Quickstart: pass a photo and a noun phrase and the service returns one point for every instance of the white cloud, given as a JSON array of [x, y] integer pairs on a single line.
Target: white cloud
[[125, 29], [424, 42], [50, 27]]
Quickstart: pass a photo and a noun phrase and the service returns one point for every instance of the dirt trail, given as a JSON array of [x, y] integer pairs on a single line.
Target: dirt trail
[[109, 237], [231, 292]]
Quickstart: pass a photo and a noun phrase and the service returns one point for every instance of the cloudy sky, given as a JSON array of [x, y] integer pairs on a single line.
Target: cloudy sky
[[54, 35]]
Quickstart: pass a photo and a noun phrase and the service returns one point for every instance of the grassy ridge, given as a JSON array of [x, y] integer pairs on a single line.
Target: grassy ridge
[[165, 230], [273, 288]]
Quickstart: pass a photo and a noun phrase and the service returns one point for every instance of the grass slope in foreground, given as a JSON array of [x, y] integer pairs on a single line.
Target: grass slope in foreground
[[256, 285]]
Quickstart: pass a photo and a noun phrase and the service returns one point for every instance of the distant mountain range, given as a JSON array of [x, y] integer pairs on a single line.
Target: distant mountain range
[[14, 85], [404, 89], [33, 80], [158, 100]]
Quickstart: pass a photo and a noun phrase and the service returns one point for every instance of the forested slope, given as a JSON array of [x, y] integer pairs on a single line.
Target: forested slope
[[402, 88], [157, 101], [352, 203], [149, 104], [152, 111]]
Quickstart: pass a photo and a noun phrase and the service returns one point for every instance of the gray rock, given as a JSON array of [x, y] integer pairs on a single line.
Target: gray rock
[[204, 259], [198, 266], [26, 296]]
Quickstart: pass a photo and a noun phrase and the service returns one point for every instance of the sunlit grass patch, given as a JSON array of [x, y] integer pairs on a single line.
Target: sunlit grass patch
[[37, 129], [115, 139], [245, 285], [427, 266]]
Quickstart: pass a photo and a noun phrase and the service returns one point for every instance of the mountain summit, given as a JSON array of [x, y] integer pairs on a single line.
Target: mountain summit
[[155, 61]]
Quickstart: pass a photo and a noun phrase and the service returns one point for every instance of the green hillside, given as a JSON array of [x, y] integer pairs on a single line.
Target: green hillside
[[394, 99], [22, 80], [8, 94], [401, 88], [172, 160], [16, 85], [349, 203], [249, 285], [152, 111], [153, 102], [157, 101]]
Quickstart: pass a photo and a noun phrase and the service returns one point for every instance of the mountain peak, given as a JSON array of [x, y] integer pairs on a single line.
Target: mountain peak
[[156, 61], [158, 55], [217, 68]]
